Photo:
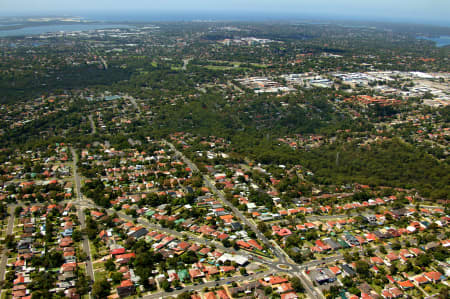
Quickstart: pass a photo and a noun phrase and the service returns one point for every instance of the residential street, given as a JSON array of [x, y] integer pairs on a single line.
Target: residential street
[[9, 231], [81, 216], [91, 120], [282, 262], [209, 284]]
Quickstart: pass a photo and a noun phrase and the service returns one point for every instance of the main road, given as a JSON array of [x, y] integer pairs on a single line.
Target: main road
[[209, 284], [153, 226], [81, 216], [220, 194], [9, 231], [91, 120], [284, 262]]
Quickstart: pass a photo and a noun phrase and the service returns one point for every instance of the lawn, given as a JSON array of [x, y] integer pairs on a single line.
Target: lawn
[[219, 67], [5, 294], [238, 63], [99, 275], [82, 266], [98, 265], [92, 248]]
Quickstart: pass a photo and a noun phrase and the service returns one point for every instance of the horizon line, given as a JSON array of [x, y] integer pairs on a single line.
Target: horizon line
[[230, 16]]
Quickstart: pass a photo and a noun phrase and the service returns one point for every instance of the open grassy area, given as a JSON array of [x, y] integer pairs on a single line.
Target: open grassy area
[[82, 267], [220, 67], [99, 275], [92, 248], [98, 265], [5, 295], [238, 63]]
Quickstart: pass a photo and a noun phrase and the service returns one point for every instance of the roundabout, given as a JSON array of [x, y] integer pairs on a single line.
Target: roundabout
[[284, 267]]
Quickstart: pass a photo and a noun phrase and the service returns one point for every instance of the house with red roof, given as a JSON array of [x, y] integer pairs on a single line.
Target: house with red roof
[[421, 279], [322, 245], [284, 232], [376, 260], [226, 269], [405, 253], [445, 243], [366, 296], [386, 294], [392, 256], [275, 280], [416, 251], [243, 244], [390, 278], [405, 285], [126, 288], [96, 214], [434, 276], [68, 267], [290, 295], [204, 251], [21, 279], [335, 269], [194, 247], [285, 287], [183, 245], [222, 294], [255, 244], [65, 242], [222, 236], [396, 292], [210, 295], [310, 225], [125, 258], [211, 270], [117, 251], [370, 237], [196, 273]]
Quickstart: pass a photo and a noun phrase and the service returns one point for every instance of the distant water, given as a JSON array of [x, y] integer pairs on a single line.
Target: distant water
[[440, 41], [56, 28], [7, 25]]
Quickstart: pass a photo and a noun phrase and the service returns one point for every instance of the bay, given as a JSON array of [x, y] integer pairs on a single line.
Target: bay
[[57, 28], [440, 41]]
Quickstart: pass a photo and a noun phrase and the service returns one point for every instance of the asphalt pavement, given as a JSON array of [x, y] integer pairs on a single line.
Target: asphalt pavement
[[282, 263], [209, 284], [9, 231], [81, 216]]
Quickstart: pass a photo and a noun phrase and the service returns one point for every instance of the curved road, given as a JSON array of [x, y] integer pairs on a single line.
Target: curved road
[[282, 264], [284, 260]]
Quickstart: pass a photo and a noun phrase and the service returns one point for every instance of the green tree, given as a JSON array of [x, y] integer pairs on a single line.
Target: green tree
[[165, 285], [82, 283], [116, 277], [362, 268], [184, 295], [18, 210], [109, 265], [101, 289], [297, 284], [10, 242]]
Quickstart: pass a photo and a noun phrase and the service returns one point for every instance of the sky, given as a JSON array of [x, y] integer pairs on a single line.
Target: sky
[[414, 11]]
